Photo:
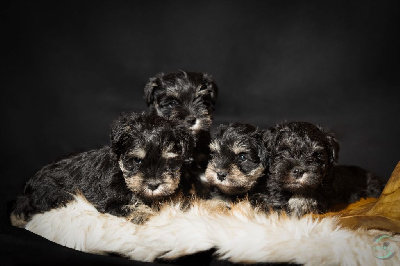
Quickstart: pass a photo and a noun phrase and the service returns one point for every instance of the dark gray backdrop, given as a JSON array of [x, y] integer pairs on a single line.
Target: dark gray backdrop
[[69, 68]]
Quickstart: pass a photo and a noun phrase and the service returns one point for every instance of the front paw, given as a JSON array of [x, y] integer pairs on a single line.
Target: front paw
[[265, 202]]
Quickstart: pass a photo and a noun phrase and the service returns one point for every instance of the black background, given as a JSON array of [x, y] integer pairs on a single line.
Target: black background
[[69, 68]]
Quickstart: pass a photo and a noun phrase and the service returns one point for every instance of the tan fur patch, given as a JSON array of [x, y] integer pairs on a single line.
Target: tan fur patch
[[134, 182], [172, 92], [210, 173], [139, 213], [137, 152], [169, 185], [248, 180], [171, 181], [214, 146], [18, 220], [235, 182], [167, 152], [238, 147], [215, 206]]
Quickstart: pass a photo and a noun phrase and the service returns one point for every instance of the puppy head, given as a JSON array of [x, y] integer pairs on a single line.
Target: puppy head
[[184, 96], [151, 152], [300, 155], [237, 158]]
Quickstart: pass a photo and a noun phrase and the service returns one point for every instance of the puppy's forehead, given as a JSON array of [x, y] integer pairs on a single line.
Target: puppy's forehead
[[240, 146], [137, 151], [300, 142], [153, 138], [234, 145], [184, 91], [173, 91]]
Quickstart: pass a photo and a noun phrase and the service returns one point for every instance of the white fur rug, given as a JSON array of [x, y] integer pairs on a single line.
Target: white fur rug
[[242, 235]]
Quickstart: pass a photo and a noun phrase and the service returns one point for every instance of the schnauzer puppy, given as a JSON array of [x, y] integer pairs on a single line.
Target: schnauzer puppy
[[141, 168], [238, 160], [189, 98], [303, 177]]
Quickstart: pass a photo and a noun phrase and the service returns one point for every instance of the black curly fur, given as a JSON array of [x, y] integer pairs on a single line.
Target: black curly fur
[[303, 176], [106, 177], [238, 160], [189, 98]]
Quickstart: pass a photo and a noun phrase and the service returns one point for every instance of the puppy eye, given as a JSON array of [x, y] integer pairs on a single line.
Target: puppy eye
[[172, 103], [242, 157], [319, 156], [136, 160]]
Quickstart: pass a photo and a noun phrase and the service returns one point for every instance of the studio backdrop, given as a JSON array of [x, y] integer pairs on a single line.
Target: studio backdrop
[[69, 68]]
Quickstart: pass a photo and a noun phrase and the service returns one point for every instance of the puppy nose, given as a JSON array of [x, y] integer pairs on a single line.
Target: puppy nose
[[153, 186], [191, 120], [221, 176], [297, 173]]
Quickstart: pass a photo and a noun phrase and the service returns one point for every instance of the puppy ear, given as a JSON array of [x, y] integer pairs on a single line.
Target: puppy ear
[[151, 87], [210, 86], [333, 145], [122, 131]]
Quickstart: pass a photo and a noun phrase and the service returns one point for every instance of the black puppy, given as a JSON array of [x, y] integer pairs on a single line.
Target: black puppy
[[142, 167], [303, 177], [238, 160], [188, 98]]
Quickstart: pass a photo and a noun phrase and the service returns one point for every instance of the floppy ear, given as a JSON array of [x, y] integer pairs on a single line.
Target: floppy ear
[[210, 86], [151, 87], [122, 131], [333, 145]]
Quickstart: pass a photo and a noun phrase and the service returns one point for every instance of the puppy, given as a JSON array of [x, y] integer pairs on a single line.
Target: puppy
[[303, 177], [188, 98], [141, 167], [238, 159]]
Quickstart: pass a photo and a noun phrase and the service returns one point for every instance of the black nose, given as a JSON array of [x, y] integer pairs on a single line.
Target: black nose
[[297, 172], [191, 120], [153, 186], [221, 176]]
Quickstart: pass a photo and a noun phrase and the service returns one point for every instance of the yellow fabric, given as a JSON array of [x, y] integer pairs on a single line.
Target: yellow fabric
[[382, 213]]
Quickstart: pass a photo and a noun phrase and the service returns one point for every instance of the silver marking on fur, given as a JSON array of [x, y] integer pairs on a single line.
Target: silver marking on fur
[[197, 125], [299, 205], [158, 109], [137, 152], [172, 91], [214, 146], [167, 152], [239, 147], [123, 169]]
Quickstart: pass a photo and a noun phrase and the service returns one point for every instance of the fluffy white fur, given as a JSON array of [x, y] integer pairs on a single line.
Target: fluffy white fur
[[241, 235]]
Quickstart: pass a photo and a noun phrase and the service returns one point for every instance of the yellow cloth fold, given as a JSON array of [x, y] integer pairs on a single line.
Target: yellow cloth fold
[[382, 213]]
